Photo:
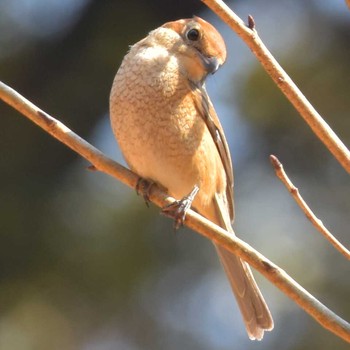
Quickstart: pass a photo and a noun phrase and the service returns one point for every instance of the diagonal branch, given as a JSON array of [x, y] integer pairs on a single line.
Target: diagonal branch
[[327, 318], [281, 174], [283, 81]]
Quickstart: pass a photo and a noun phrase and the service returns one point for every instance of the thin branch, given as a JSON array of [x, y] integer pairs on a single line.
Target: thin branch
[[281, 174], [283, 81], [327, 318], [58, 130]]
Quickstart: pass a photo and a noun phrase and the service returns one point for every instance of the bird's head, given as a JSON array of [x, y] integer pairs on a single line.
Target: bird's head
[[196, 44]]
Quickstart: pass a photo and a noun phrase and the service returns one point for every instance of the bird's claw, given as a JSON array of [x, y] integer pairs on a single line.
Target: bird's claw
[[178, 209], [143, 188]]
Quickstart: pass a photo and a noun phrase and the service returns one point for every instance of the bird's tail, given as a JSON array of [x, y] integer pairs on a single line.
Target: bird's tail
[[255, 312]]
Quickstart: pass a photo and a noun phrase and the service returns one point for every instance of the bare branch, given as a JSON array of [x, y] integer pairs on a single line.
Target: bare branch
[[283, 81], [327, 318], [281, 174], [58, 130]]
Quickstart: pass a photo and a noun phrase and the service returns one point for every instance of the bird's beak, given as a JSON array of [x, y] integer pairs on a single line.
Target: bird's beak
[[211, 64]]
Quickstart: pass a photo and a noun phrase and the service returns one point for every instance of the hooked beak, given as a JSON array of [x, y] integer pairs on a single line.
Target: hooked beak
[[211, 64]]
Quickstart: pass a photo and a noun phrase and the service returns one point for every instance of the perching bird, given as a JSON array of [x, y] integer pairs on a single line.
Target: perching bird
[[169, 133]]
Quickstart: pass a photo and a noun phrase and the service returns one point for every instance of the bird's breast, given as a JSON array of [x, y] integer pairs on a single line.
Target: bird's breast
[[157, 124]]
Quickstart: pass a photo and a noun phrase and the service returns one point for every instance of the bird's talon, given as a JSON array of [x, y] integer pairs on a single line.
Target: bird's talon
[[143, 188], [178, 209]]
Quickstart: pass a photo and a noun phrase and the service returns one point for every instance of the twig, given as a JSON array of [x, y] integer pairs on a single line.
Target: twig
[[327, 318], [281, 174], [283, 81]]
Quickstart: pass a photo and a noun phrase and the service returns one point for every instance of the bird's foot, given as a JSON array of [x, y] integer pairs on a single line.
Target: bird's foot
[[177, 210], [143, 188]]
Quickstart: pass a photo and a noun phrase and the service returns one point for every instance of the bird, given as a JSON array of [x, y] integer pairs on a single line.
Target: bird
[[169, 134]]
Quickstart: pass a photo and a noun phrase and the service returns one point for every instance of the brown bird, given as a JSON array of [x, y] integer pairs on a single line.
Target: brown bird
[[169, 133]]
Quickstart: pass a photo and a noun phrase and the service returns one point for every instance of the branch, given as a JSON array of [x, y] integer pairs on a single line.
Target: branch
[[327, 318], [283, 81], [281, 174]]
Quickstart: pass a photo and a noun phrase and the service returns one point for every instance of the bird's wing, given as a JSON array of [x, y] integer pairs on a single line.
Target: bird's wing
[[207, 112]]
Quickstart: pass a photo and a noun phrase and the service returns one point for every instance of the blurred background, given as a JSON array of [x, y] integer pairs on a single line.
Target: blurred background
[[84, 264]]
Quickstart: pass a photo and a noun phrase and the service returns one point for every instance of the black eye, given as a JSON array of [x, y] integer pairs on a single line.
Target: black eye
[[193, 34]]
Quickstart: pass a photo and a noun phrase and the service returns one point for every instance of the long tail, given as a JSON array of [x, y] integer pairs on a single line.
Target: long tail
[[255, 312]]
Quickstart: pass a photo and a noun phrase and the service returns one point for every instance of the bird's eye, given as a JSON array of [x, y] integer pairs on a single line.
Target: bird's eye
[[193, 34]]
